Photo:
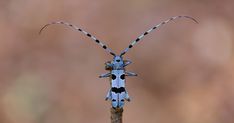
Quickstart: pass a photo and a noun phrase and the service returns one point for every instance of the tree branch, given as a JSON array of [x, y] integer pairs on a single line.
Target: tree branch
[[116, 115]]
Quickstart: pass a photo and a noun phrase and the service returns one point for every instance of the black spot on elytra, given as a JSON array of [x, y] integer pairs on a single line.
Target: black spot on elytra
[[130, 46], [118, 60], [145, 33], [122, 100], [122, 76], [70, 25], [113, 100], [163, 22], [118, 90], [113, 77], [155, 27], [80, 29], [104, 46]]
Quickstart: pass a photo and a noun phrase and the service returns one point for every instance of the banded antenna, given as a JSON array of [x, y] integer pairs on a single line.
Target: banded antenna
[[151, 29], [84, 32]]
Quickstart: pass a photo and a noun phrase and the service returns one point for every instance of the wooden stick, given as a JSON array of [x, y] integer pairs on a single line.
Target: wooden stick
[[116, 115]]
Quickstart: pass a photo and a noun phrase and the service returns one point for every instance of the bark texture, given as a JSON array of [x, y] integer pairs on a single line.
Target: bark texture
[[116, 115]]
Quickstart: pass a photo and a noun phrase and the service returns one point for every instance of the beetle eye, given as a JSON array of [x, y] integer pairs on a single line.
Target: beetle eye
[[118, 60]]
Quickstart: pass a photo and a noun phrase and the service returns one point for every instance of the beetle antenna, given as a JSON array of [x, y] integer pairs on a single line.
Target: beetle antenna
[[80, 30], [153, 28]]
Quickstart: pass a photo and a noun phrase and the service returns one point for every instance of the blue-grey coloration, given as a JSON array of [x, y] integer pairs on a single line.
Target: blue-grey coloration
[[117, 93]]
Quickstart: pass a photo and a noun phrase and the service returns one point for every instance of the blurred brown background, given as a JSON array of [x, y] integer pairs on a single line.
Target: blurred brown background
[[185, 69]]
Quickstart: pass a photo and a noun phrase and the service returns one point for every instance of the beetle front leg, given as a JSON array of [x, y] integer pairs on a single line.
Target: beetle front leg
[[127, 62], [130, 74], [108, 65], [105, 75]]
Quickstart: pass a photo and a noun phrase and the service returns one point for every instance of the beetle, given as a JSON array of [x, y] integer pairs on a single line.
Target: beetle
[[117, 94]]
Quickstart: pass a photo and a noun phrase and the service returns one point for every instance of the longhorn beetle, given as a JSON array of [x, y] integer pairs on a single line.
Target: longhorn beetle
[[117, 93]]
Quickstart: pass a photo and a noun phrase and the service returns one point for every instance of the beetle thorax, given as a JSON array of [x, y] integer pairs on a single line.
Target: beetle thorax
[[117, 63]]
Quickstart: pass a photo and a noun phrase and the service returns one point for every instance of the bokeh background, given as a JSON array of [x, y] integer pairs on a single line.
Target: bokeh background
[[185, 70]]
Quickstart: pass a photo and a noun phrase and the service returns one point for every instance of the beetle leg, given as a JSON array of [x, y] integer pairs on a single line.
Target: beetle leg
[[108, 96], [105, 75], [127, 96], [130, 74], [127, 62]]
